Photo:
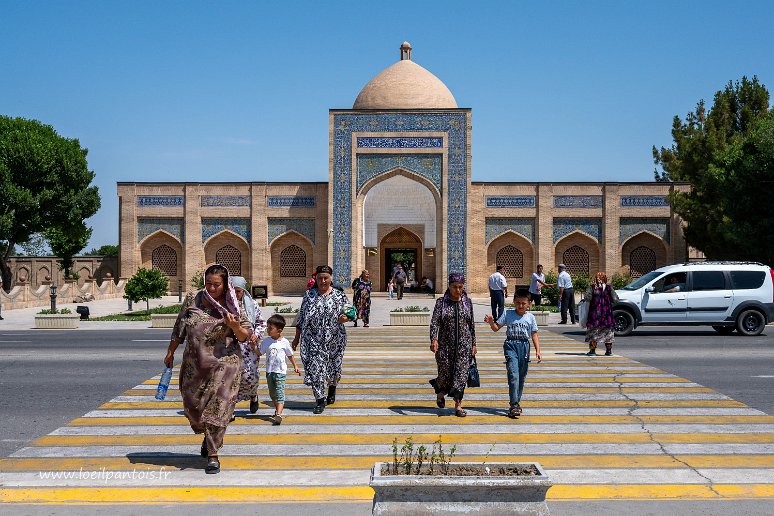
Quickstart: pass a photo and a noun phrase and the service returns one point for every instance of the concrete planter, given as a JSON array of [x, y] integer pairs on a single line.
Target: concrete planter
[[163, 320], [409, 318], [438, 494], [57, 321], [290, 319], [541, 318]]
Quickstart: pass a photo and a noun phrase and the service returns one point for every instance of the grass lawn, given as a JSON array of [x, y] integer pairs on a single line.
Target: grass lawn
[[138, 315]]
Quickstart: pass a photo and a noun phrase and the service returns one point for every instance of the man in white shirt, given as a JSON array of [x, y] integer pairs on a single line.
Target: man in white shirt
[[566, 294], [536, 283], [498, 291]]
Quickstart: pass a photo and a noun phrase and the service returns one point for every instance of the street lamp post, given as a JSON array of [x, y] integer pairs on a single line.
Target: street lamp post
[[179, 291], [53, 298]]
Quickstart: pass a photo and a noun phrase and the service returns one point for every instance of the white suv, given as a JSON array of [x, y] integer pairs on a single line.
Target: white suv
[[724, 295]]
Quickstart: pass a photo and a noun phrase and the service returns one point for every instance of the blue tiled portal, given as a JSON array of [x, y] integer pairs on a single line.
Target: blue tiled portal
[[453, 124], [428, 166], [497, 226], [380, 142], [563, 227], [147, 226]]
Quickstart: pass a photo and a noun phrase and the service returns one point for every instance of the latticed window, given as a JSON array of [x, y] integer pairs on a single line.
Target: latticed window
[[164, 258], [512, 261], [230, 257], [641, 261], [292, 262], [576, 259]]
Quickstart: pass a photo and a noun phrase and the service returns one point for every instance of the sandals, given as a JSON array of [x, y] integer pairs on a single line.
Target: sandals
[[277, 420], [460, 413], [213, 465], [318, 409], [441, 402], [514, 411]]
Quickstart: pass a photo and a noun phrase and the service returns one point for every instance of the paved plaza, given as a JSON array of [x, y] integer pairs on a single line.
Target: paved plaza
[[605, 429]]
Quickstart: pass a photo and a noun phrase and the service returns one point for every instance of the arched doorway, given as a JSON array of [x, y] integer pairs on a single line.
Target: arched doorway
[[400, 246]]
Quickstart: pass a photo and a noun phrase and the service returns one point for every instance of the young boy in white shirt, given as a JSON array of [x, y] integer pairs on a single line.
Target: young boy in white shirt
[[276, 348], [522, 327]]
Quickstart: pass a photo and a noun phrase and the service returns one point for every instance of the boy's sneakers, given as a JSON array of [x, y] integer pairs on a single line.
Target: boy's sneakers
[[277, 420]]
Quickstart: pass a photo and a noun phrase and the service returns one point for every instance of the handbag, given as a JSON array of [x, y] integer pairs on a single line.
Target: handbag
[[474, 380], [583, 313]]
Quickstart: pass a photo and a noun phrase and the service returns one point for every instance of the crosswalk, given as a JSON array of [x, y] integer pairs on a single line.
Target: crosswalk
[[603, 428]]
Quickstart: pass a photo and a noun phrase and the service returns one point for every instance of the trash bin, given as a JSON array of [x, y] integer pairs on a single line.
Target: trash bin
[[260, 292], [84, 311]]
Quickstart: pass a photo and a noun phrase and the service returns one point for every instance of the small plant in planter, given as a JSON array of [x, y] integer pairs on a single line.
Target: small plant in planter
[[48, 311], [287, 310], [411, 308]]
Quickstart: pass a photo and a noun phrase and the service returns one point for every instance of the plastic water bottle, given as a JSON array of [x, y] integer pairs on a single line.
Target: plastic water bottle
[[161, 390]]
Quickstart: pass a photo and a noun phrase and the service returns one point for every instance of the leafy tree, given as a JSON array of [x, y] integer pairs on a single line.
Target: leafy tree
[[67, 243], [37, 245], [197, 281], [45, 182], [700, 155], [105, 250], [145, 285]]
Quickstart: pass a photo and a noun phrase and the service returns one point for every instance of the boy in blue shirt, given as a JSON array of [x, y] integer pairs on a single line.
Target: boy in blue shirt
[[521, 327]]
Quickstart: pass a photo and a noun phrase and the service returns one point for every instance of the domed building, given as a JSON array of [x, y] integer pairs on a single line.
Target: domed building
[[399, 189]]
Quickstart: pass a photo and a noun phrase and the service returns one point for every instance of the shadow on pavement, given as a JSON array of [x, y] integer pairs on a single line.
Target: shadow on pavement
[[175, 460]]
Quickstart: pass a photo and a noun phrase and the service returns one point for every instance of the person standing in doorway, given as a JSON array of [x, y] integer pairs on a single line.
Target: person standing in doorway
[[566, 294], [536, 283], [399, 279], [498, 291]]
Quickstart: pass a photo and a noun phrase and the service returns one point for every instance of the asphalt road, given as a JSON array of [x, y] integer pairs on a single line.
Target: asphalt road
[[48, 378], [739, 367]]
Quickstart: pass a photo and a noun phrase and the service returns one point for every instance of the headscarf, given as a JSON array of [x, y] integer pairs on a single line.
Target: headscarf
[[324, 269], [456, 277], [247, 299], [232, 304]]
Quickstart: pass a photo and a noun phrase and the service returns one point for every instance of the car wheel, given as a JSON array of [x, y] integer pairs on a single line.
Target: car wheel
[[724, 330], [750, 323], [624, 323]]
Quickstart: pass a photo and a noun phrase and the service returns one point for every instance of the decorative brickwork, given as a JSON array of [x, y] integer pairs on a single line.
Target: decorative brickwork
[[644, 201], [641, 261], [279, 226], [164, 258], [563, 227], [230, 257], [147, 226], [399, 143], [225, 201], [290, 201], [292, 262], [166, 201], [512, 201], [512, 261], [577, 201], [211, 227], [495, 227], [631, 226], [577, 260]]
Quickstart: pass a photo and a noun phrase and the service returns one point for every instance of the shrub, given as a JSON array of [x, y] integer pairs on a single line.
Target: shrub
[[620, 280], [287, 310], [145, 285], [48, 311], [581, 281], [197, 281], [551, 293], [412, 308]]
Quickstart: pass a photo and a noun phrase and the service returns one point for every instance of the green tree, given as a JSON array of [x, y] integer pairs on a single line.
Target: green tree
[[66, 243], [45, 182], [699, 155], [37, 245], [145, 285], [105, 250]]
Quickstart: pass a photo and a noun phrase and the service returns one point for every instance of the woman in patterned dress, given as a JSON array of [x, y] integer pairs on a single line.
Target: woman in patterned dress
[[362, 297], [320, 331], [453, 340], [600, 325], [212, 325], [248, 386]]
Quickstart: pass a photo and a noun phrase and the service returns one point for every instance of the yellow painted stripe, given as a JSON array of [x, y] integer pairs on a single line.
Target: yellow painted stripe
[[474, 404], [163, 495], [447, 418], [345, 382], [338, 494], [660, 492], [383, 439], [366, 461]]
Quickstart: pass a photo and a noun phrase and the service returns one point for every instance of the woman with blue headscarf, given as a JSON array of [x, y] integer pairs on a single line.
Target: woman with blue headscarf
[[248, 387], [453, 340]]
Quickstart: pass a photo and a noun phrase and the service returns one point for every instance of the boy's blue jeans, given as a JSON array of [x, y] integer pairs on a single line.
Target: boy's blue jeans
[[517, 362]]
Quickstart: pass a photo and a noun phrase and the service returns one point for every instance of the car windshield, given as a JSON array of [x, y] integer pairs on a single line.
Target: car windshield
[[642, 280]]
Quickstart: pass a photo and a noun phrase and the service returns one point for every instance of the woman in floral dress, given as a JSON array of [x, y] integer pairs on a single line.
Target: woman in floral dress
[[212, 325], [362, 297], [321, 334], [248, 386], [600, 325], [453, 340]]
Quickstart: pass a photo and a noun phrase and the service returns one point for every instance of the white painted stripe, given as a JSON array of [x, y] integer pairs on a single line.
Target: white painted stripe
[[150, 340]]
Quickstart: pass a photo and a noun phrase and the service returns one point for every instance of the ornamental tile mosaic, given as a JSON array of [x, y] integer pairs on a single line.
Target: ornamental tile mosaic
[[290, 201], [147, 226], [511, 201], [211, 227], [453, 124], [281, 225], [420, 142], [428, 166], [577, 201], [644, 201], [224, 201], [631, 226], [497, 226], [165, 201], [563, 227]]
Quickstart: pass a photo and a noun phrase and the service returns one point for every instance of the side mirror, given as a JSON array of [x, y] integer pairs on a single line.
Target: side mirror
[[650, 289]]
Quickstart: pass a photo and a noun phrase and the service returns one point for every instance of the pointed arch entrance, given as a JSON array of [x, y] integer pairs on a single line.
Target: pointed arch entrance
[[400, 246]]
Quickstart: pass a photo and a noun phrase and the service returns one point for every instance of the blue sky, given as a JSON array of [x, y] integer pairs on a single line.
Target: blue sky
[[204, 91]]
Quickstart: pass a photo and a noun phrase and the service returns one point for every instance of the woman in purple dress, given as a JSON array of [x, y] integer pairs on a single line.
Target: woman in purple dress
[[453, 340], [600, 326], [361, 298], [212, 325]]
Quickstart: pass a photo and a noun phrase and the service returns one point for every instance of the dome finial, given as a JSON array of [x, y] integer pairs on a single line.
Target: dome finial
[[405, 51]]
